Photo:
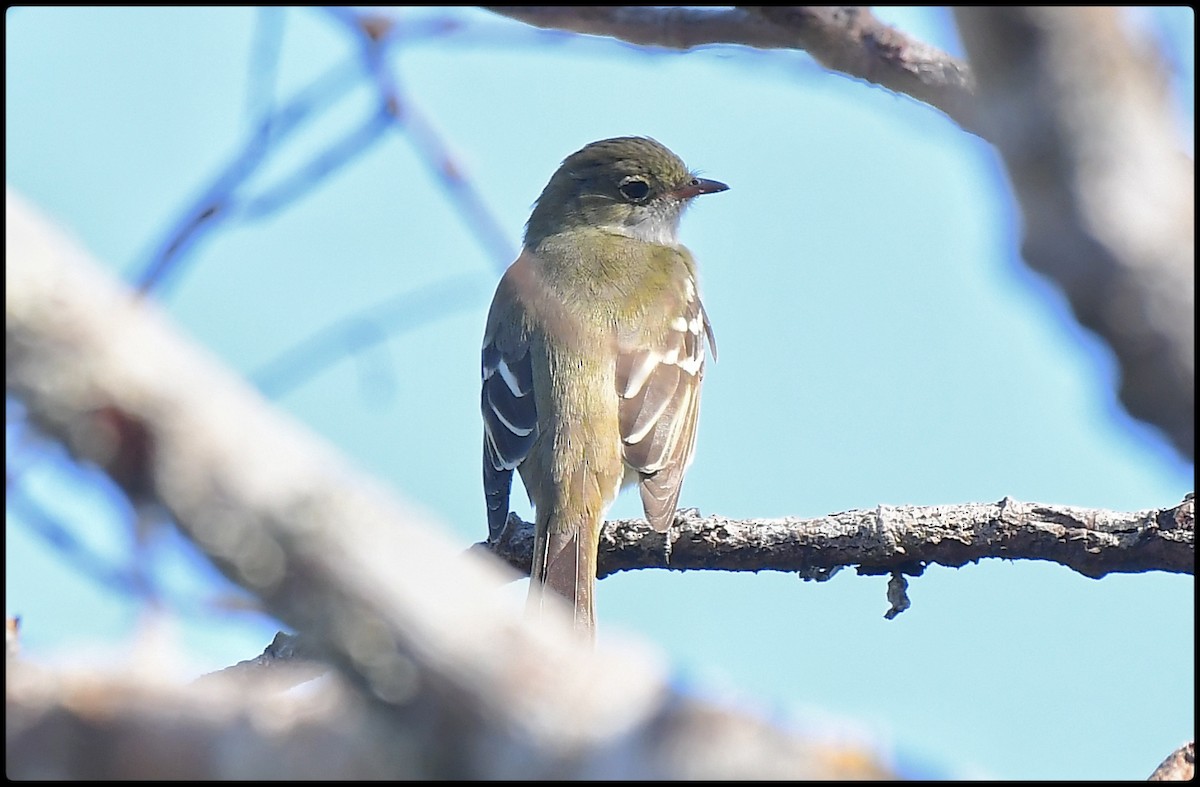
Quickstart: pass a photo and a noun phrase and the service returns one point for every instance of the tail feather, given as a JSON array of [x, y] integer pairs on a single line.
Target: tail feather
[[564, 562]]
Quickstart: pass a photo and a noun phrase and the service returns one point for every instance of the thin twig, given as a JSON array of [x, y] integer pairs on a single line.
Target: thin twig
[[365, 329]]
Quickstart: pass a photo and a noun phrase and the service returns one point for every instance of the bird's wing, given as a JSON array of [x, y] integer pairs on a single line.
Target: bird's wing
[[509, 413], [658, 380]]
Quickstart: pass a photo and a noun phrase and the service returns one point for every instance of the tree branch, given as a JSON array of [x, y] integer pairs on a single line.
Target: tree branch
[[232, 193], [72, 726], [1106, 194], [673, 28], [851, 40], [845, 39], [1179, 766], [889, 539]]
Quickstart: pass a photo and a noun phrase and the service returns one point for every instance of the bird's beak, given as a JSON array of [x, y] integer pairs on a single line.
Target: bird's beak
[[697, 186]]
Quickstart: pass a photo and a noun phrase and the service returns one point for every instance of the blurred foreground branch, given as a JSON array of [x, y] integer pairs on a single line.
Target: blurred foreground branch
[[71, 726], [1081, 115], [453, 683]]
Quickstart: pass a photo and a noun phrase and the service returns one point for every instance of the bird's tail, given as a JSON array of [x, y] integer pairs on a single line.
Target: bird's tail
[[564, 562]]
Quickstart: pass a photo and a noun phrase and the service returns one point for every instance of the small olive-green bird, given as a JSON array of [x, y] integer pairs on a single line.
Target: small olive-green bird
[[593, 357]]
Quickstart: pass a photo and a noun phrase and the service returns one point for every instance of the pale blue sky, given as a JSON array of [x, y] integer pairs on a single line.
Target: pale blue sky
[[880, 343]]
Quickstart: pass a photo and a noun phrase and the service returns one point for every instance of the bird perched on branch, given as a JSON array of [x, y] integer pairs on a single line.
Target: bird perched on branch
[[593, 357]]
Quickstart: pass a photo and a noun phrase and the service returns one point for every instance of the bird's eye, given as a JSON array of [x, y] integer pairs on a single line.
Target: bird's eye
[[635, 189]]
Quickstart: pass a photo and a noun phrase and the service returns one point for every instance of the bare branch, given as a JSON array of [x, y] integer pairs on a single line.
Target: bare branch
[[308, 176], [219, 199], [263, 71], [351, 335], [849, 39], [289, 660], [673, 28], [1094, 542], [226, 196], [1179, 766], [70, 726], [845, 39], [374, 32], [1106, 194], [81, 556]]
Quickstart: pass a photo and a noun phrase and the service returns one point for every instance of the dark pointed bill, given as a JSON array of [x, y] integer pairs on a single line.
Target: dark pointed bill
[[697, 186]]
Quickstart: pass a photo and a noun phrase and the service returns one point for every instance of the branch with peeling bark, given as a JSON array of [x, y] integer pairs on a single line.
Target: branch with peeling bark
[[888, 539]]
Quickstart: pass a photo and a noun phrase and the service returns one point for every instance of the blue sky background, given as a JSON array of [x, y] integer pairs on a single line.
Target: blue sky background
[[880, 343]]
